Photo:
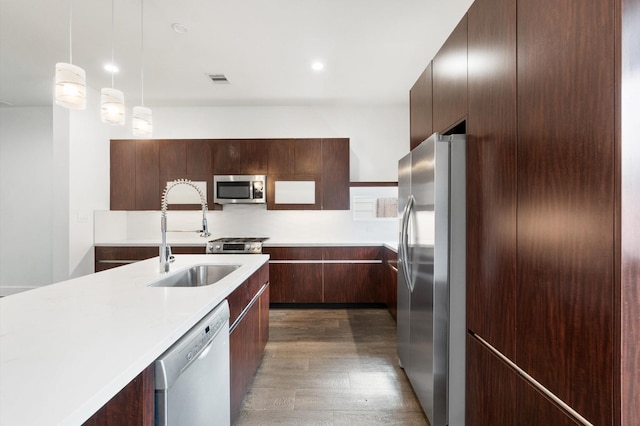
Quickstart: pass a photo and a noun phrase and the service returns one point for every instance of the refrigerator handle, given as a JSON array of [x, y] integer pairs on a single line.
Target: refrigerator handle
[[404, 241]]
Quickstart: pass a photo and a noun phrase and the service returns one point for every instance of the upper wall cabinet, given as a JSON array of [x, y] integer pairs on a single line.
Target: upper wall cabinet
[[421, 108], [134, 170], [295, 156], [240, 156], [140, 169], [335, 174], [450, 80], [323, 161]]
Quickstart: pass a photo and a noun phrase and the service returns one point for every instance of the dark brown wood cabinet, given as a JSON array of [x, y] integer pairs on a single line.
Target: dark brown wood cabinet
[[546, 182], [391, 281], [498, 395], [107, 257], [147, 181], [249, 332], [353, 275], [566, 201], [134, 174], [335, 174], [241, 156], [421, 108], [491, 173], [295, 156], [490, 388], [122, 169], [140, 169], [342, 275], [450, 80], [295, 274]]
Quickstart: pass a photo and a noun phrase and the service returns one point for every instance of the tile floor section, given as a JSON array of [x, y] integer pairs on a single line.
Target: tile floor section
[[331, 367]]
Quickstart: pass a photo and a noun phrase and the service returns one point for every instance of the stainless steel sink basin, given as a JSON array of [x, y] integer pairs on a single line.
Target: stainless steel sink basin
[[196, 276]]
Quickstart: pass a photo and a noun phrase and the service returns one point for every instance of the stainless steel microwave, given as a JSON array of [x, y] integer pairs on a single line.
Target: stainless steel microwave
[[240, 189]]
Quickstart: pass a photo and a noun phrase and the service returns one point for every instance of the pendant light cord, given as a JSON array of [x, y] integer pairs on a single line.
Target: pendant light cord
[[113, 64], [70, 31], [142, 52]]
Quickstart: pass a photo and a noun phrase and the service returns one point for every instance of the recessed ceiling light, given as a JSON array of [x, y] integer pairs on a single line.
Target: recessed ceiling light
[[179, 28], [111, 68], [317, 66]]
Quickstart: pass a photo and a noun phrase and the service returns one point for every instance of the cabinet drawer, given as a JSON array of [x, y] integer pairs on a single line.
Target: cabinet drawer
[[352, 253]]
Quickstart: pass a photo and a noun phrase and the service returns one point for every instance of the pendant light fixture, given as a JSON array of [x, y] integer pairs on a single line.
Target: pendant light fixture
[[112, 99], [142, 120], [70, 86]]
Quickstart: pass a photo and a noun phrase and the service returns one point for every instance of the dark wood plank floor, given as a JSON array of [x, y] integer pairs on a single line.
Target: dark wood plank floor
[[331, 367]]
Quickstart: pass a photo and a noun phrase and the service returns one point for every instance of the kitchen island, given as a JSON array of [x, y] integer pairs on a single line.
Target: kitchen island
[[68, 348]]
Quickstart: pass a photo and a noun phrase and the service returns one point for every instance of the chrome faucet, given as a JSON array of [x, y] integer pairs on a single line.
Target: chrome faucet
[[165, 250]]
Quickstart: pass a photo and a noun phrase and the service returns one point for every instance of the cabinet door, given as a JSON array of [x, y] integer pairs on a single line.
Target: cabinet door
[[335, 174], [391, 281], [244, 343], [281, 157], [296, 282], [566, 201], [353, 275], [450, 80], [122, 168], [111, 257], [295, 274], [240, 157], [147, 180], [249, 333], [421, 108], [491, 173], [308, 156], [173, 157], [264, 301], [491, 388], [353, 283]]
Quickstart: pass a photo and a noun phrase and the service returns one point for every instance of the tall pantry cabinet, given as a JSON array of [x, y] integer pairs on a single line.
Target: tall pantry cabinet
[[553, 265]]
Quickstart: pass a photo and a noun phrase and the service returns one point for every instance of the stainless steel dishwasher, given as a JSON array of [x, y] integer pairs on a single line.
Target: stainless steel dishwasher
[[192, 377]]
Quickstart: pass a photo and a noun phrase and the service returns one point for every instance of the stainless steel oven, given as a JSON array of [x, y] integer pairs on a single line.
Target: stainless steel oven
[[236, 245]]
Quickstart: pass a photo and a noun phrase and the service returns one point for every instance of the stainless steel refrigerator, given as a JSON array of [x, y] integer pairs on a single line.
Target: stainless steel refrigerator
[[431, 278]]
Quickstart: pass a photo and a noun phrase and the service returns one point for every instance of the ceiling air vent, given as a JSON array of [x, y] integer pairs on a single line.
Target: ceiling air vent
[[218, 78]]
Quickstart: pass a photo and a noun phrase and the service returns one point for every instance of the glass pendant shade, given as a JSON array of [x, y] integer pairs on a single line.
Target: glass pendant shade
[[71, 87], [112, 106], [142, 121]]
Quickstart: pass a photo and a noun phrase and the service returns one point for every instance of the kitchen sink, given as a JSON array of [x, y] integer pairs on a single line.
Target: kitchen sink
[[196, 276]]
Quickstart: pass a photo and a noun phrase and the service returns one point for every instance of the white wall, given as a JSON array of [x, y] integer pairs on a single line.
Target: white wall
[[54, 174], [26, 195], [379, 135], [88, 182]]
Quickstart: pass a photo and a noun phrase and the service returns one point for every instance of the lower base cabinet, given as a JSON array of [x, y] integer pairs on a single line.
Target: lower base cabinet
[[497, 395], [249, 333], [107, 257], [340, 275], [391, 281]]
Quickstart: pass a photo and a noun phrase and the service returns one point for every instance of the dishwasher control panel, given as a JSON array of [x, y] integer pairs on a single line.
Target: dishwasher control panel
[[205, 336]]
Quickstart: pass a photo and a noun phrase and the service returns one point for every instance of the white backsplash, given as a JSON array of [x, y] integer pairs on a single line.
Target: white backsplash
[[295, 226]]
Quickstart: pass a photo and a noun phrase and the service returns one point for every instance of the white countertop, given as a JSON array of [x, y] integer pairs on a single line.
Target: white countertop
[[68, 348]]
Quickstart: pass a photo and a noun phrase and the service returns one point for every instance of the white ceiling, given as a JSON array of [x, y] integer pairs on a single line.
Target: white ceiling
[[373, 50]]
